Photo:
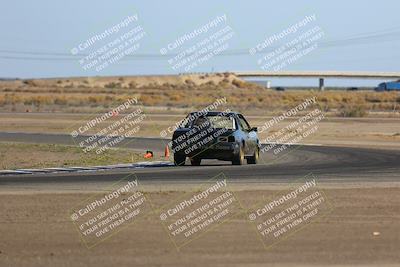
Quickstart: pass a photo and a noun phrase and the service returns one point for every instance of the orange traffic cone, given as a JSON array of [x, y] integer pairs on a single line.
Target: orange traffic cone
[[166, 152], [148, 155]]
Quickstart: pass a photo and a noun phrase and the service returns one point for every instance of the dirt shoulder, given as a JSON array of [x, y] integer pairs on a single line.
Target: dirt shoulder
[[25, 155], [362, 229]]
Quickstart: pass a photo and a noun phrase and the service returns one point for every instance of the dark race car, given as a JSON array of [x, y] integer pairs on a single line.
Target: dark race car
[[215, 135]]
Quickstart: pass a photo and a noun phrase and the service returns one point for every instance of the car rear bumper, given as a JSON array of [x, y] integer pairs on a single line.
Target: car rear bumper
[[221, 151]]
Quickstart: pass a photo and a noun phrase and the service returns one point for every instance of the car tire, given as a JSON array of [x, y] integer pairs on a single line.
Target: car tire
[[195, 161], [179, 159], [239, 158], [254, 159]]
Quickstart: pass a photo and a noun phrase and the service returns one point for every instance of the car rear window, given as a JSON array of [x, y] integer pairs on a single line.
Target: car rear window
[[215, 121]]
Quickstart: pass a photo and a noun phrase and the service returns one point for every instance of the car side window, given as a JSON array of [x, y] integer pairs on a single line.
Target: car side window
[[243, 123]]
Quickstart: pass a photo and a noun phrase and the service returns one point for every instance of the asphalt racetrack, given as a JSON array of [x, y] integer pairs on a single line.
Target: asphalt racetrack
[[331, 164]]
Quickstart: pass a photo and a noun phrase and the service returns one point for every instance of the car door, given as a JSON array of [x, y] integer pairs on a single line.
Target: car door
[[246, 129], [251, 136]]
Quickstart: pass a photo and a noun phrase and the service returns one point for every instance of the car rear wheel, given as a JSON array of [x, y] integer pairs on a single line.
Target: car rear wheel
[[239, 158], [179, 159], [254, 159], [195, 161]]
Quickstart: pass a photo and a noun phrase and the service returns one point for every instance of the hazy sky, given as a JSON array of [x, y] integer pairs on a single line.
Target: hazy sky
[[37, 36]]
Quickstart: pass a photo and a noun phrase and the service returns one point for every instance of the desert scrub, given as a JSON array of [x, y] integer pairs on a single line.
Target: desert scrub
[[182, 91], [352, 111], [112, 85]]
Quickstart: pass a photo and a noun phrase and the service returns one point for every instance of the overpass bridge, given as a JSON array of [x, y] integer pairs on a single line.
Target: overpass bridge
[[321, 75]]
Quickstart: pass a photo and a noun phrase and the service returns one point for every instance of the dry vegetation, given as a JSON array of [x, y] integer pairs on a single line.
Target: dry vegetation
[[22, 155], [184, 91]]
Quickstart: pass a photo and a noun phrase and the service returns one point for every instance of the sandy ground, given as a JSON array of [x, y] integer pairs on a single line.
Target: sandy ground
[[361, 229]]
